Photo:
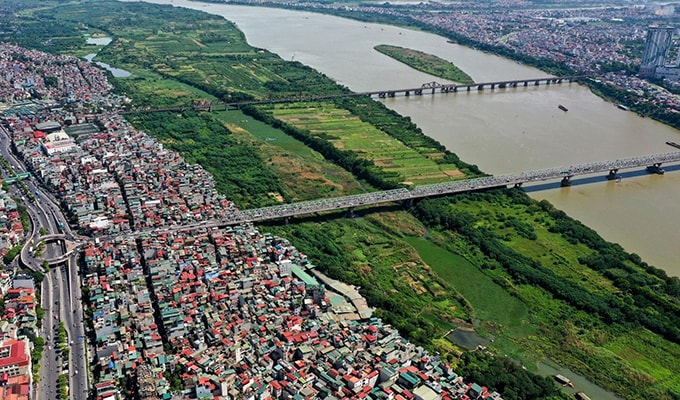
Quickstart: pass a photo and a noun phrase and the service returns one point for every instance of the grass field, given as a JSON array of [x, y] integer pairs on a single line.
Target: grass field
[[348, 132], [304, 173], [489, 301], [548, 248]]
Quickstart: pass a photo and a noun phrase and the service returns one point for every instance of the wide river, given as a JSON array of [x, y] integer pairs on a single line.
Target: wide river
[[502, 130]]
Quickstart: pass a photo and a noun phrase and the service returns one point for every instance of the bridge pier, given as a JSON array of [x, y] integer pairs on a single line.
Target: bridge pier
[[613, 174], [537, 83], [381, 95], [418, 92], [350, 212], [566, 181], [655, 169], [390, 94], [480, 87], [502, 85], [468, 88], [493, 86], [517, 185]]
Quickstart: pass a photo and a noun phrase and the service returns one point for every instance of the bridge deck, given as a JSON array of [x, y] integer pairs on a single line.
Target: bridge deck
[[307, 207], [426, 88], [366, 199]]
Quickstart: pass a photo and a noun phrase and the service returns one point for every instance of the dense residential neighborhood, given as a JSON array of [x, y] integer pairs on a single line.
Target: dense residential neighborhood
[[220, 313]]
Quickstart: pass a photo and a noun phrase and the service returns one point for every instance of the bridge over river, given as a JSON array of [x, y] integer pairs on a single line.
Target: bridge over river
[[425, 88], [652, 163]]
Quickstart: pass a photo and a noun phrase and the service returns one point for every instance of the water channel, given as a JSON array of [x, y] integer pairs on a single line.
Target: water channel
[[502, 131], [103, 41]]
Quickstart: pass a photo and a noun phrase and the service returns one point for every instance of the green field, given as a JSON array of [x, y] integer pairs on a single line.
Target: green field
[[348, 132], [304, 173], [490, 302]]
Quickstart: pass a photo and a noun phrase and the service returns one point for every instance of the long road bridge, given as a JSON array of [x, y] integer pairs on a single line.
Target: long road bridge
[[652, 163], [426, 88]]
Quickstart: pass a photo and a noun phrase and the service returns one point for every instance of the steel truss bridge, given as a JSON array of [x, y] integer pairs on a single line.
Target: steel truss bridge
[[430, 87]]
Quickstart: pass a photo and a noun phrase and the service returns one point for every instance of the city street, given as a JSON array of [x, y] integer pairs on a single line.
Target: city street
[[60, 289]]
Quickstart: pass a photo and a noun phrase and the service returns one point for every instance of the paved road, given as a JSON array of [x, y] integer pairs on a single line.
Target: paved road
[[60, 290]]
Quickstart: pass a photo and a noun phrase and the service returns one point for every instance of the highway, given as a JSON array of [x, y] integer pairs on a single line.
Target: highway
[[60, 290]]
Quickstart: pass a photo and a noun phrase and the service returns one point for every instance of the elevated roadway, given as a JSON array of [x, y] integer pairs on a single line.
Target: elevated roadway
[[652, 163]]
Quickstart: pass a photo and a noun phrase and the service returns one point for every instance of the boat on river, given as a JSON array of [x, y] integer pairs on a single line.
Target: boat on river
[[563, 380], [581, 396], [563, 108]]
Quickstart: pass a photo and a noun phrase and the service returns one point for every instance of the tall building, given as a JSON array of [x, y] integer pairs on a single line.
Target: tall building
[[659, 40]]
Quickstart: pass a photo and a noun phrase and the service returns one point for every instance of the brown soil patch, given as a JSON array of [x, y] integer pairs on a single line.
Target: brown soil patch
[[383, 162], [276, 196], [199, 44], [416, 286], [454, 173]]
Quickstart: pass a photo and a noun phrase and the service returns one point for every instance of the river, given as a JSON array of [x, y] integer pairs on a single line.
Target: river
[[502, 130]]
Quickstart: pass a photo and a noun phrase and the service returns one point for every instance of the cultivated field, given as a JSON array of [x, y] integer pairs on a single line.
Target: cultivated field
[[348, 132]]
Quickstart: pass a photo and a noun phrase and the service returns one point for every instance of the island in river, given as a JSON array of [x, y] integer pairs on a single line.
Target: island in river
[[424, 62]]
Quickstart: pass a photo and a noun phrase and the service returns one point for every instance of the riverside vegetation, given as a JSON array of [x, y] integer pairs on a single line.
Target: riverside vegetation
[[428, 63], [518, 271]]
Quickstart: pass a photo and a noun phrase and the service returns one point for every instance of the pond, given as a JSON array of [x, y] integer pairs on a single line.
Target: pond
[[117, 72], [467, 338], [99, 41]]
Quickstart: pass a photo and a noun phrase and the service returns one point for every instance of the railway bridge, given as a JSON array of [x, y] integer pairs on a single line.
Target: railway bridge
[[435, 87], [426, 88]]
